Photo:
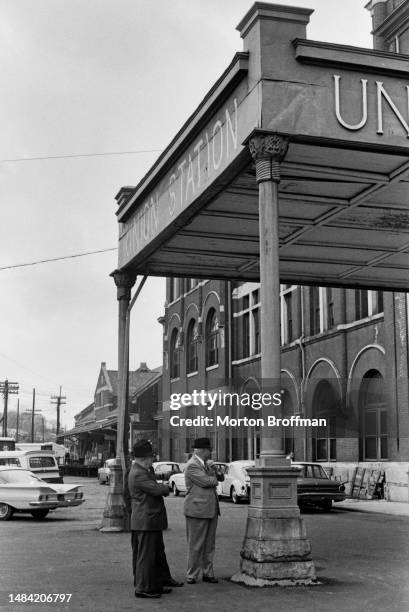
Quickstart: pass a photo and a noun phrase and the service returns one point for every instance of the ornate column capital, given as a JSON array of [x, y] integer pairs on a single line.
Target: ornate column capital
[[124, 282], [268, 151]]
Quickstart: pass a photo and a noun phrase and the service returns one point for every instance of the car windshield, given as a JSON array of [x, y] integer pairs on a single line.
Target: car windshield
[[312, 471], [18, 476]]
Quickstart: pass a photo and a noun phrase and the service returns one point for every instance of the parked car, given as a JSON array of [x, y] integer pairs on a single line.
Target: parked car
[[41, 462], [315, 487], [23, 491], [236, 484], [164, 470], [104, 472], [177, 481]]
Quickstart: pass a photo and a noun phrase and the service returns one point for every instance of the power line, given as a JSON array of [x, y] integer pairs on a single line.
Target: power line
[[76, 155], [41, 261]]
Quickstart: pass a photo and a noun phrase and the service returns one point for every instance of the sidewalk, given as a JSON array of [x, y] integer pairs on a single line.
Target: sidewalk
[[379, 506]]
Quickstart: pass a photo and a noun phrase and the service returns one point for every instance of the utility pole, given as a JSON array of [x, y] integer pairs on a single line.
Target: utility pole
[[58, 401], [33, 413], [18, 417], [6, 388]]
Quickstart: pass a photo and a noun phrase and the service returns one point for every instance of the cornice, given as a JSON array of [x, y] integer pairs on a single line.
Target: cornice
[[352, 58]]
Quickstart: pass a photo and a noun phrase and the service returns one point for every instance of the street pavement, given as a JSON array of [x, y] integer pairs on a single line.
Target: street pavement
[[360, 550]]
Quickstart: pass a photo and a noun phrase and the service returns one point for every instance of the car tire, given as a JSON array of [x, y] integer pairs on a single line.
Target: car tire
[[40, 514], [175, 490], [6, 512], [234, 497], [326, 505]]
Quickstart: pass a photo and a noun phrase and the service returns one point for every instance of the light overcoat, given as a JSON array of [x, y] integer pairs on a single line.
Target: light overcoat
[[201, 499]]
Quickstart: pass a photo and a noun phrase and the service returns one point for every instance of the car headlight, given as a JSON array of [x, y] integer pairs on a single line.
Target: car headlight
[[341, 488]]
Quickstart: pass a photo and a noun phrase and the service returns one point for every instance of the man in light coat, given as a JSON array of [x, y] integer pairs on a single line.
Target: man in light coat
[[201, 509], [152, 577]]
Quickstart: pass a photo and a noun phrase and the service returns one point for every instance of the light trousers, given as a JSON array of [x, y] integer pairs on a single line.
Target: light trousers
[[201, 539]]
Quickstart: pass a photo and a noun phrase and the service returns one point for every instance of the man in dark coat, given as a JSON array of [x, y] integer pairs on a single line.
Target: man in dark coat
[[201, 510], [148, 519]]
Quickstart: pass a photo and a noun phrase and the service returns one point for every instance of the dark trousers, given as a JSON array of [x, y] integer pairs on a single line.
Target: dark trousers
[[149, 563]]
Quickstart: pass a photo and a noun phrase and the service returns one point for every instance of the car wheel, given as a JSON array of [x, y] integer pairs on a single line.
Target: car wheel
[[234, 497], [326, 505], [175, 490], [40, 514], [6, 512]]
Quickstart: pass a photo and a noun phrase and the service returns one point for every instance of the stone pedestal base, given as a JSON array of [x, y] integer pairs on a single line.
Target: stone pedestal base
[[115, 518], [276, 550]]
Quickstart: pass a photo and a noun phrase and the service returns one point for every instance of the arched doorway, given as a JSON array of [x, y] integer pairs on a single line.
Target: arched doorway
[[324, 406], [373, 412]]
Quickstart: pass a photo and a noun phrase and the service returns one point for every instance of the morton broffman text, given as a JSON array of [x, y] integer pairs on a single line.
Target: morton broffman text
[[227, 421]]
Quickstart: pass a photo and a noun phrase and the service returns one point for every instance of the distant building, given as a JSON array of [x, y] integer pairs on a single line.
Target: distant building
[[93, 438]]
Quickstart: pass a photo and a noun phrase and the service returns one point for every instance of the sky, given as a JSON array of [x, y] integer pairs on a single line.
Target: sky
[[81, 79]]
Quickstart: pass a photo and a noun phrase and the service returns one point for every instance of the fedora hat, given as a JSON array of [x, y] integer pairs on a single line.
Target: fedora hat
[[202, 443]]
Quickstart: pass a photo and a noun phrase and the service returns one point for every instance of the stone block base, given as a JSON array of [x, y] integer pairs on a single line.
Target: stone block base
[[292, 569], [276, 552]]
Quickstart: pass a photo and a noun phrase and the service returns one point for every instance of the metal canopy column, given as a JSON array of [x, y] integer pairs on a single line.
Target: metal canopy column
[[114, 517], [275, 549]]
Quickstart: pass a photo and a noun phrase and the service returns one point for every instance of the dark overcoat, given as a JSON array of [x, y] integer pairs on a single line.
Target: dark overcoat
[[148, 508]]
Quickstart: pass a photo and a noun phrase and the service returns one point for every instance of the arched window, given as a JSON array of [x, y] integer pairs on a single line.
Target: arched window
[[324, 407], [212, 338], [374, 417], [192, 334], [174, 354]]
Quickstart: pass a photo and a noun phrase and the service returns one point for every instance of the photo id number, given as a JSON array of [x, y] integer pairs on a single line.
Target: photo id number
[[39, 597]]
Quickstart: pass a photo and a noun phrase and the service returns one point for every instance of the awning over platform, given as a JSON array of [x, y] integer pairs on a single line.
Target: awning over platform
[[343, 193]]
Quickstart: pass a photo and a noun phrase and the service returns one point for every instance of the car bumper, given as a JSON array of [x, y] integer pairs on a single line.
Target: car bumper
[[68, 503], [314, 498], [40, 504]]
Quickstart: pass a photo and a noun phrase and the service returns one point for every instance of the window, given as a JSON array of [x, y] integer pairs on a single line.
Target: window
[[326, 442], [174, 354], [174, 291], [286, 319], [361, 304], [212, 338], [42, 462], [256, 330], [191, 283], [247, 325], [192, 353], [324, 407], [376, 302], [246, 334], [374, 417], [367, 303], [315, 311], [330, 307]]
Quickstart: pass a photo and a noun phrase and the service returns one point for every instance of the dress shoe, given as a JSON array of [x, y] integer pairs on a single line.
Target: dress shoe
[[147, 595], [173, 583], [211, 579], [190, 580], [165, 590]]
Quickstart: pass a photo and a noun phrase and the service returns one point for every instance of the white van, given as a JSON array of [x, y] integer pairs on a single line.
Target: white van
[[41, 463]]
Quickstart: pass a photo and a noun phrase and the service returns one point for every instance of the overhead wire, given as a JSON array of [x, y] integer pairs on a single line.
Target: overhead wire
[[41, 261], [76, 155]]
